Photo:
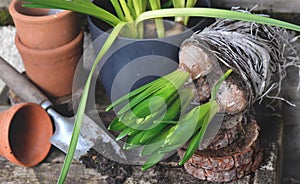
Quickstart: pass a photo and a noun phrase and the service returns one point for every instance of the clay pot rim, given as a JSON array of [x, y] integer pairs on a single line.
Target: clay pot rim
[[12, 113], [36, 19], [53, 51]]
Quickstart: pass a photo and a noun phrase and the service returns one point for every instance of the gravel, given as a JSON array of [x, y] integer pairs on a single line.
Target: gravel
[[8, 50], [4, 3]]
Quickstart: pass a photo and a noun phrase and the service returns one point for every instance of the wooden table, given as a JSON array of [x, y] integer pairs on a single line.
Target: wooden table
[[271, 140], [166, 172]]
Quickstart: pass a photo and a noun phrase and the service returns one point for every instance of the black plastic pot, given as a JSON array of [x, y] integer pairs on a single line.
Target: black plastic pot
[[131, 63]]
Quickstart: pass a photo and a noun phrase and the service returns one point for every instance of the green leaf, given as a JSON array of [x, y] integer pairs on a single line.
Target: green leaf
[[160, 29], [132, 142], [116, 125], [187, 125], [134, 131], [155, 143], [141, 97], [179, 4], [126, 10], [172, 111], [118, 9], [167, 4], [150, 148], [166, 122], [79, 6], [186, 96], [215, 13], [146, 135], [124, 133], [127, 97], [197, 137], [187, 102], [189, 4], [152, 85], [212, 109], [135, 139], [155, 103], [216, 87], [170, 148], [152, 160], [164, 87], [194, 144], [138, 7], [37, 6], [83, 102]]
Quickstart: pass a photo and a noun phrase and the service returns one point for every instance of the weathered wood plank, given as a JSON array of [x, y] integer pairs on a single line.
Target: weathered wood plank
[[170, 176], [271, 128], [284, 6], [47, 173], [165, 172]]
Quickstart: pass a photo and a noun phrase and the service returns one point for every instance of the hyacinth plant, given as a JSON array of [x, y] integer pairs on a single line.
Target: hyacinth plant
[[161, 130], [129, 14]]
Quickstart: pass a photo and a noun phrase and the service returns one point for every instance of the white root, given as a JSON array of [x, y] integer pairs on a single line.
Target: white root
[[258, 54]]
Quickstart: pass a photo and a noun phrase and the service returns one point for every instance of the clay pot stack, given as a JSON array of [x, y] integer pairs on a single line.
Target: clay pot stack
[[50, 43]]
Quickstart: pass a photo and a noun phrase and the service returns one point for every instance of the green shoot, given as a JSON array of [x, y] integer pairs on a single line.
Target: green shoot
[[179, 4], [167, 4], [195, 141], [216, 87], [193, 124], [127, 12], [82, 104], [215, 13], [118, 9], [155, 5], [189, 4], [81, 6]]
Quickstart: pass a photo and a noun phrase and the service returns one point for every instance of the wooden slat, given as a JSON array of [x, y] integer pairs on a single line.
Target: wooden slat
[[284, 6], [47, 173], [165, 172]]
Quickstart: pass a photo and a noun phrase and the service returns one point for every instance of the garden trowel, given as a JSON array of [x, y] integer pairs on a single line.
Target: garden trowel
[[93, 135]]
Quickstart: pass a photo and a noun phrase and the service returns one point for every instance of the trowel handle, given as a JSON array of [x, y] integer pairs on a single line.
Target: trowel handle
[[20, 84]]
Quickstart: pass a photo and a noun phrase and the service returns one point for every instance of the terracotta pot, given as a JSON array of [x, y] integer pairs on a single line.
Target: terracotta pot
[[25, 132], [44, 28], [52, 70]]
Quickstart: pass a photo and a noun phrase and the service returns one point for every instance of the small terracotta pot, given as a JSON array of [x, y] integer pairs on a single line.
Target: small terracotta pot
[[52, 70], [42, 28], [25, 132]]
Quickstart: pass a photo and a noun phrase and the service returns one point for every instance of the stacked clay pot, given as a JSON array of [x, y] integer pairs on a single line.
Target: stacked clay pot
[[50, 43]]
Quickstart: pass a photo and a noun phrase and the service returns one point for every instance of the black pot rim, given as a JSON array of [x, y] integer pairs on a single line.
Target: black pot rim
[[193, 28]]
